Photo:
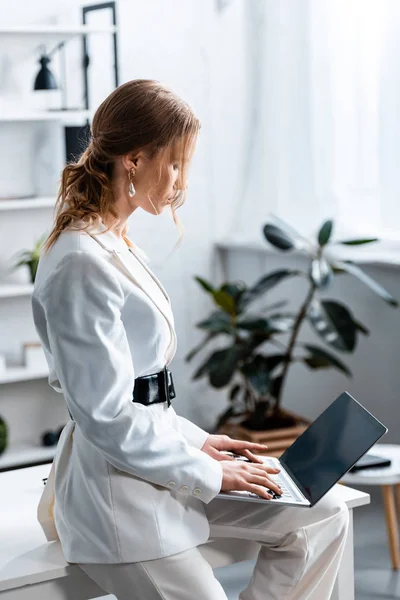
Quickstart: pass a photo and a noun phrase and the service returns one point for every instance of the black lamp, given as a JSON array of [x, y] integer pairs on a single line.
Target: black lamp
[[45, 79]]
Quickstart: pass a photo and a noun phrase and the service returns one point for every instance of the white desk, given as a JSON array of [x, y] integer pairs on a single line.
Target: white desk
[[33, 569]]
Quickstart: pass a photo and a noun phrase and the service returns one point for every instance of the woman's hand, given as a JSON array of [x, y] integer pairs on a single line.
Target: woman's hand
[[238, 474], [215, 444]]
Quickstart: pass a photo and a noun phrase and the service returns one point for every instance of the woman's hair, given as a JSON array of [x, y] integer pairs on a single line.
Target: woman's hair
[[141, 114]]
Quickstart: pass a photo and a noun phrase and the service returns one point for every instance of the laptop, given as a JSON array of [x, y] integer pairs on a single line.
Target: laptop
[[320, 456]]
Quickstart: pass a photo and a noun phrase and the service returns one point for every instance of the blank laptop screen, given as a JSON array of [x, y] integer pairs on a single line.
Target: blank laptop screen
[[331, 445]]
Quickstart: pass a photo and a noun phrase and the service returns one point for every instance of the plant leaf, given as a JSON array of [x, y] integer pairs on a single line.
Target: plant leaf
[[235, 289], [321, 273], [204, 284], [325, 233], [281, 322], [218, 322], [220, 366], [275, 386], [353, 269], [278, 237], [225, 301], [361, 327], [257, 373], [357, 242], [266, 283], [320, 358], [334, 323]]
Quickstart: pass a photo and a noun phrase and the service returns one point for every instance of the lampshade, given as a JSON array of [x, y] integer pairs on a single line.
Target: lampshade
[[45, 79]]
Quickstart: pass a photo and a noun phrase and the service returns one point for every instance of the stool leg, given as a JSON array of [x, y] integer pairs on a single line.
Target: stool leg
[[391, 524]]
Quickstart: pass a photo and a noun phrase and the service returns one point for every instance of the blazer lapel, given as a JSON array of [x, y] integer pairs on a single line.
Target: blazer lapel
[[131, 266]]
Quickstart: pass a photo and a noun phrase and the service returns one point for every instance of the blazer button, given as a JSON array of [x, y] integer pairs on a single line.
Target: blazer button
[[184, 488], [171, 484], [197, 491]]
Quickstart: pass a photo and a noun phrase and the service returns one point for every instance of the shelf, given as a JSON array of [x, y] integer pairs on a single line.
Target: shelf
[[10, 290], [24, 203], [26, 454], [14, 374], [54, 31], [64, 116]]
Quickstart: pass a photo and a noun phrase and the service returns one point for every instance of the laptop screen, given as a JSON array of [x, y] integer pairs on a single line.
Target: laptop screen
[[331, 445]]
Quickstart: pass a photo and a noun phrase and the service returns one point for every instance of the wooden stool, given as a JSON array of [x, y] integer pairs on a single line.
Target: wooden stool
[[388, 478]]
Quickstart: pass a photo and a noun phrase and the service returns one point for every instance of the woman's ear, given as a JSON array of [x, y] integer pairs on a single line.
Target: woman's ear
[[131, 161]]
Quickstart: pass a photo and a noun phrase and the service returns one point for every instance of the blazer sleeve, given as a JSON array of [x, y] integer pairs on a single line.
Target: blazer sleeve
[[82, 300], [195, 435]]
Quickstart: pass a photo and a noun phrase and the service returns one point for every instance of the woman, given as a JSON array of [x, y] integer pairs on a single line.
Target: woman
[[132, 482]]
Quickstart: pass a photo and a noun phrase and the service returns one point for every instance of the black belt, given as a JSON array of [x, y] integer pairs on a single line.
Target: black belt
[[150, 389]]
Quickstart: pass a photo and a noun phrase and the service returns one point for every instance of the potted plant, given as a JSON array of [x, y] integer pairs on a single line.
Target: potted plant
[[257, 378], [31, 258]]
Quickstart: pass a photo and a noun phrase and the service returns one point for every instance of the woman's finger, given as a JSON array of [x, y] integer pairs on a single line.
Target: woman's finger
[[252, 457], [241, 444]]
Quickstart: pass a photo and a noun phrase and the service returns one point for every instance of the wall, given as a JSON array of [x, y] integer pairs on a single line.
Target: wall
[[197, 48]]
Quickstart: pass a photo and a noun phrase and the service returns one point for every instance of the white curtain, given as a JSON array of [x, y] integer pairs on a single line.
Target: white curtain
[[323, 133]]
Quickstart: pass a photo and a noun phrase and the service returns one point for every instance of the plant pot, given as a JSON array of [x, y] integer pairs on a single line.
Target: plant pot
[[277, 439]]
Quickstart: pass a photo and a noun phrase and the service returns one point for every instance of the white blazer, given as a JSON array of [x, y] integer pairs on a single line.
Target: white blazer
[[128, 481]]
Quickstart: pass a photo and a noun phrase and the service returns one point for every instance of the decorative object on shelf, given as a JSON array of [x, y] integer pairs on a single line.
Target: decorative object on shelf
[[3, 435], [50, 437], [33, 355], [255, 399], [31, 258], [45, 79]]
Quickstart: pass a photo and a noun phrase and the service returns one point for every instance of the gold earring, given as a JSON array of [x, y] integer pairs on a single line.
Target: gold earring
[[131, 189]]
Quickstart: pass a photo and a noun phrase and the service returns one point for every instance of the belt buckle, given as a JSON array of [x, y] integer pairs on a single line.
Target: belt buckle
[[169, 385], [166, 390]]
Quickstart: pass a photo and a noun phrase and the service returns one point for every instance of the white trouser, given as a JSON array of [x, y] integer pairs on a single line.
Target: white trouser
[[300, 554]]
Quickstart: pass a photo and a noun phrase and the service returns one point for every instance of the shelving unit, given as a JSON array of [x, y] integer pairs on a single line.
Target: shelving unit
[[26, 455], [15, 40], [27, 203], [10, 290], [64, 116], [14, 374]]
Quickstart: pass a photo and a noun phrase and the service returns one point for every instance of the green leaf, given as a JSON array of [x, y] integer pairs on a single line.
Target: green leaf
[[325, 233], [321, 273], [254, 324], [220, 366], [277, 237], [360, 327], [257, 373], [334, 323], [204, 284], [281, 322], [235, 289], [320, 358], [234, 391], [225, 301], [358, 242], [266, 283], [275, 386], [353, 269], [218, 322]]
